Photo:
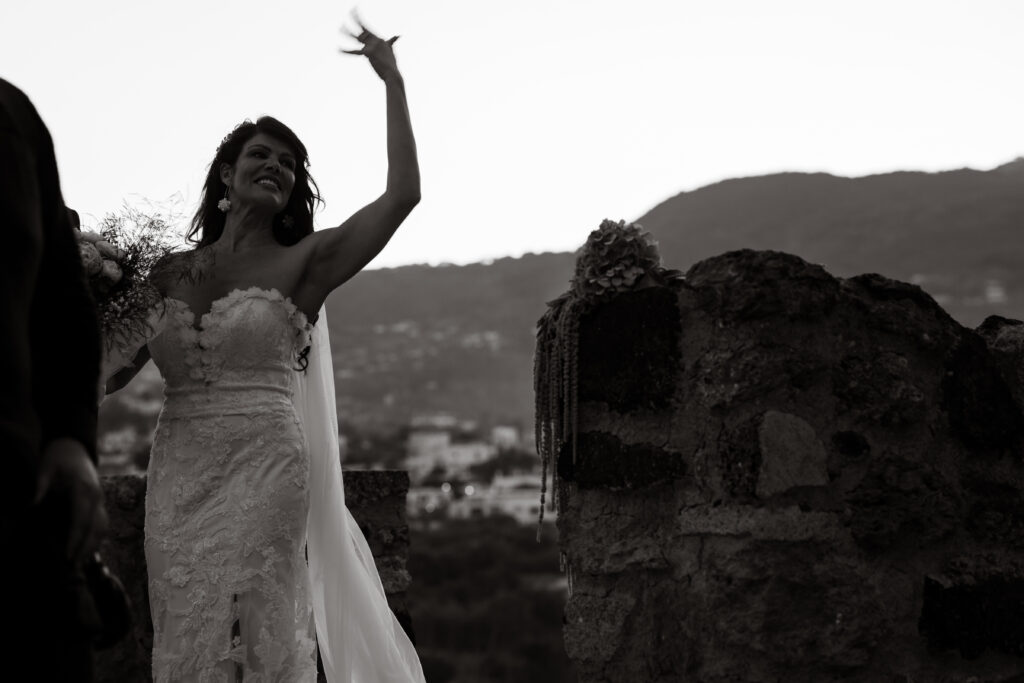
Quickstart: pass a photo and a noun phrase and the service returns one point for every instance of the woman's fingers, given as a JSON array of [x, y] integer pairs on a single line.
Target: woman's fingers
[[353, 36], [367, 47], [371, 41], [364, 37], [365, 33]]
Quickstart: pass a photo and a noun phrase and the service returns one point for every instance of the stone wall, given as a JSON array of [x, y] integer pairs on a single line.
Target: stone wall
[[785, 476], [376, 499]]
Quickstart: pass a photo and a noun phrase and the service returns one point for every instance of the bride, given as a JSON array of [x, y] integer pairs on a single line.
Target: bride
[[254, 561]]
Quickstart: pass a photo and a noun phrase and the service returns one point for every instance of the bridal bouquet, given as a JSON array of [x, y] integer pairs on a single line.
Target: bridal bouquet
[[118, 258]]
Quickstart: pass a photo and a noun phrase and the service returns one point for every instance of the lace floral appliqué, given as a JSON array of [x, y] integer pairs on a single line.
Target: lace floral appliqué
[[228, 494]]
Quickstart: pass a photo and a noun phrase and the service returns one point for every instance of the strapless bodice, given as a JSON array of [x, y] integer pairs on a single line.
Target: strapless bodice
[[241, 356]]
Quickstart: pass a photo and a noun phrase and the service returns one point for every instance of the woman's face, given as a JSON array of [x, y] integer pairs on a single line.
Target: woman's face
[[263, 175]]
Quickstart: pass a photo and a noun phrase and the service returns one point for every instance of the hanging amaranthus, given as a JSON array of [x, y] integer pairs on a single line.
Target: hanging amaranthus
[[616, 258]]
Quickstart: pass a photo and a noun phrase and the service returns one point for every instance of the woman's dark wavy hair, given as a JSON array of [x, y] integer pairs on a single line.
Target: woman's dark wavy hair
[[208, 222]]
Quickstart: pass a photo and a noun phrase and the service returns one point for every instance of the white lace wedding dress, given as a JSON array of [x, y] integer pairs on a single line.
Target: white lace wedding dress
[[228, 511]]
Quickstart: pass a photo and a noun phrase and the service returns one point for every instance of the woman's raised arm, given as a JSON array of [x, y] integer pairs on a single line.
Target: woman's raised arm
[[339, 253]]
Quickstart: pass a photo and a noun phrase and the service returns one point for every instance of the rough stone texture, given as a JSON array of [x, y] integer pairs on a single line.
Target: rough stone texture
[[791, 455], [376, 499], [825, 483], [1005, 339], [603, 460]]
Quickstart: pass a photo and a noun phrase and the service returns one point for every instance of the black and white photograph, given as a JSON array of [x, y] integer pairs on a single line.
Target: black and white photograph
[[536, 342]]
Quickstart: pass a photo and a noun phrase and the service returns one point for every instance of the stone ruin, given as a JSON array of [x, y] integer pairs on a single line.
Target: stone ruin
[[781, 475]]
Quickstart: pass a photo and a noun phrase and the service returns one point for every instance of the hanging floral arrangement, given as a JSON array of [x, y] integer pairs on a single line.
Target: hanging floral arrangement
[[617, 257]]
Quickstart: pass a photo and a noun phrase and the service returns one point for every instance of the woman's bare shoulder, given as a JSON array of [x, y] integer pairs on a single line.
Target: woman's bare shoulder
[[171, 269]]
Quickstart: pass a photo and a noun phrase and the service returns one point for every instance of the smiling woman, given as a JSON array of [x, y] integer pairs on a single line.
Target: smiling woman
[[267, 150], [277, 177], [255, 564]]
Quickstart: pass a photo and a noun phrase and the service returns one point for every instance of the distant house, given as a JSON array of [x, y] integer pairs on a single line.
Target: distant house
[[425, 449], [516, 496], [443, 443], [505, 437], [459, 457], [425, 500]]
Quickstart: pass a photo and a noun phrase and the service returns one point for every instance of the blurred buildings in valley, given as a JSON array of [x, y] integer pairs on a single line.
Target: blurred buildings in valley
[[514, 495], [460, 471], [457, 468], [127, 421]]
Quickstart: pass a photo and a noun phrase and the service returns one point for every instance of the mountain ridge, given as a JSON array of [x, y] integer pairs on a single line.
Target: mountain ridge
[[459, 338]]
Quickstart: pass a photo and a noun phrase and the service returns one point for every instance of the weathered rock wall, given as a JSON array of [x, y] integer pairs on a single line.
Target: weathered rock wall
[[785, 476], [376, 499]]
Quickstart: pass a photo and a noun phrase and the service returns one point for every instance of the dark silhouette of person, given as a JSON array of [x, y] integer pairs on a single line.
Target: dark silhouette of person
[[52, 505]]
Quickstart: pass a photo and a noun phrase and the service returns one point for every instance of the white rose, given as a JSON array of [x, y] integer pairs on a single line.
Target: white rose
[[111, 271], [92, 262], [89, 236]]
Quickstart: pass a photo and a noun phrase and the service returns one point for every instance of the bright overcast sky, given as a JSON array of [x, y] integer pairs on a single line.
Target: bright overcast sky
[[534, 119]]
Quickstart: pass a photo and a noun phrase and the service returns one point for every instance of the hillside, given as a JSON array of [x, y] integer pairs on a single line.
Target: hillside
[[454, 339], [951, 232], [460, 338]]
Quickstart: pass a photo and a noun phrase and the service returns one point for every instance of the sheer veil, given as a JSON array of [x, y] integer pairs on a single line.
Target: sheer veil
[[360, 639]]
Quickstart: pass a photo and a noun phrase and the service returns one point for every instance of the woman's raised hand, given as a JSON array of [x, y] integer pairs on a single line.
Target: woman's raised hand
[[375, 48]]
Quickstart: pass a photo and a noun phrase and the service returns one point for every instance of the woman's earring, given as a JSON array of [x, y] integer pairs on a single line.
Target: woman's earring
[[288, 222], [224, 204]]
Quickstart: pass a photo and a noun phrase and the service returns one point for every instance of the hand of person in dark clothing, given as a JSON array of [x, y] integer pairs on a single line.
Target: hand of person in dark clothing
[[69, 482]]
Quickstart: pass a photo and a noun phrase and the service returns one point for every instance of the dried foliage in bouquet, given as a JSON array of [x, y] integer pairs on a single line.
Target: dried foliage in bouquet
[[617, 257], [117, 258]]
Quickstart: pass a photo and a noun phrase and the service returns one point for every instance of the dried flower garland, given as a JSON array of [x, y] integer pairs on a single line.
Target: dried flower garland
[[617, 257]]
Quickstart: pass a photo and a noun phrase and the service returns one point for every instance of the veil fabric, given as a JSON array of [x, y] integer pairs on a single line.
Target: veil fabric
[[360, 639]]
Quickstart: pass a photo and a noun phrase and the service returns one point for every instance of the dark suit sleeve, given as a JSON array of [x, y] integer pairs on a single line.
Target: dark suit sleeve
[[58, 352], [21, 232], [66, 344], [64, 328]]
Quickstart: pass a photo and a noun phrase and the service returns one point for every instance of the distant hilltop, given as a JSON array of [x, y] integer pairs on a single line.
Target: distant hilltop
[[1015, 166], [460, 339]]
